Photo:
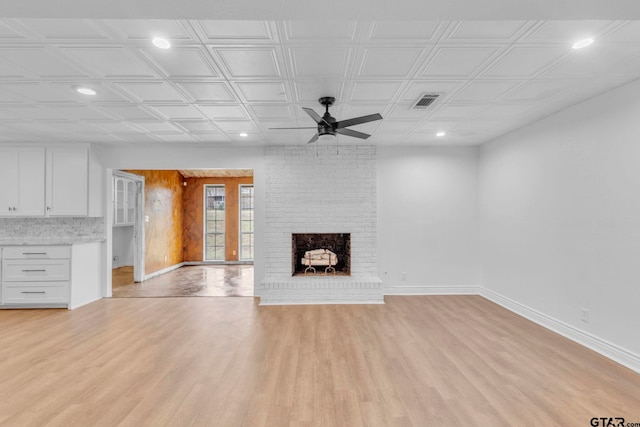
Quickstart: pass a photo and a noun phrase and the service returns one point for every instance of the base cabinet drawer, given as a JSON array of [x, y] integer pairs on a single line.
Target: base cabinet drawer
[[35, 294], [35, 270], [37, 252]]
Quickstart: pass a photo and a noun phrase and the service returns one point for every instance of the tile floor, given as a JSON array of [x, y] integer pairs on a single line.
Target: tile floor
[[188, 281]]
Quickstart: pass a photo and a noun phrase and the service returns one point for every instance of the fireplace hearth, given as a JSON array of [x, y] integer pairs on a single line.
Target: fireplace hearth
[[321, 254]]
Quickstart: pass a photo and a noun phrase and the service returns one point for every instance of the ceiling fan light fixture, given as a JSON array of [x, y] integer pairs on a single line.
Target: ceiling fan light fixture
[[327, 138], [161, 43], [580, 44]]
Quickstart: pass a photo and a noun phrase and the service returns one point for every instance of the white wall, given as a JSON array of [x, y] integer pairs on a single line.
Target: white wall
[[427, 219], [122, 246], [560, 217]]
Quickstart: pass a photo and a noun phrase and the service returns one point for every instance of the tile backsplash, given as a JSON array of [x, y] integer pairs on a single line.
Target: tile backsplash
[[75, 228]]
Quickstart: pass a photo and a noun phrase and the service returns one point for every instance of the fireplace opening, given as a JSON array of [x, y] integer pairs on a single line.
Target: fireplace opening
[[321, 254]]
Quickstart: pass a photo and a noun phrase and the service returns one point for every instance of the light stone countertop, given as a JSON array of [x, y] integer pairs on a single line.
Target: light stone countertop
[[35, 241]]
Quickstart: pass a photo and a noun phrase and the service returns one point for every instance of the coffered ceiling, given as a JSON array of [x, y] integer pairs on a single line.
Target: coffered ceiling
[[223, 78]]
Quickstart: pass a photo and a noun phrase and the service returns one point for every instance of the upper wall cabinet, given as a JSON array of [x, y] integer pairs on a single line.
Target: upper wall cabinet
[[124, 201], [22, 176], [55, 181], [67, 181]]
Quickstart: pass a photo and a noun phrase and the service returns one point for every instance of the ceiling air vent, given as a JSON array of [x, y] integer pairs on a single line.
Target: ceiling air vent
[[424, 101]]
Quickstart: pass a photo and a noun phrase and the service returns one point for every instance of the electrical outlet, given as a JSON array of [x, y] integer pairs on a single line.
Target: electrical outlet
[[585, 315], [146, 218], [403, 276], [234, 253], [116, 257], [165, 258]]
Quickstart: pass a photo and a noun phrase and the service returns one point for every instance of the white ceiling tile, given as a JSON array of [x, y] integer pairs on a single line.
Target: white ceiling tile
[[320, 61], [184, 62], [457, 111], [150, 92], [157, 126], [209, 138], [250, 62], [9, 69], [236, 126], [128, 112], [108, 62], [308, 92], [116, 127], [80, 112], [222, 112], [495, 31], [404, 30], [178, 112], [455, 62], [404, 111], [320, 30], [8, 96], [482, 91], [76, 127], [272, 112], [592, 61], [357, 110], [536, 90], [416, 89], [40, 62], [386, 138], [375, 91], [32, 112], [504, 111], [65, 29], [176, 137], [566, 32], [263, 92], [524, 61], [389, 61], [8, 33], [628, 33], [235, 30], [388, 125], [207, 92], [204, 126], [147, 29], [38, 92], [267, 125]]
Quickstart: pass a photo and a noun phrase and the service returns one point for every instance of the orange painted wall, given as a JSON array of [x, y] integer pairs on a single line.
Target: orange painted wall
[[194, 216], [163, 204]]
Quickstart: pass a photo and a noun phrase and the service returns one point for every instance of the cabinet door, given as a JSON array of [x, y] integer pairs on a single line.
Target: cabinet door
[[31, 183], [120, 190], [67, 181], [131, 201], [8, 181]]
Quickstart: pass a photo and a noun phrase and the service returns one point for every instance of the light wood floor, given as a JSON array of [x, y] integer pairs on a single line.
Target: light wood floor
[[416, 361]]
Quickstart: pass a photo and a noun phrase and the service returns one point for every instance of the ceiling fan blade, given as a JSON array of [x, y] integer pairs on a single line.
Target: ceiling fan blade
[[353, 133], [315, 127], [358, 120], [314, 139], [315, 116]]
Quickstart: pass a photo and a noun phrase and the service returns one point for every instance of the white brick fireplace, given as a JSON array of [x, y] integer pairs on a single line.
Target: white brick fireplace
[[320, 189]]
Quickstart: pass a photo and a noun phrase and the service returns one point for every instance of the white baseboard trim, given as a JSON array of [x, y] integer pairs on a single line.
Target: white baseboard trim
[[164, 270], [325, 302], [605, 348], [431, 290]]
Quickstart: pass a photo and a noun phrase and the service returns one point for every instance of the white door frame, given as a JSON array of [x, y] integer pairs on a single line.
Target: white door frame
[[138, 227]]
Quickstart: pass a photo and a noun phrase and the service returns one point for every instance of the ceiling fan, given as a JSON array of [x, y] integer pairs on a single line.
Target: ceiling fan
[[328, 125]]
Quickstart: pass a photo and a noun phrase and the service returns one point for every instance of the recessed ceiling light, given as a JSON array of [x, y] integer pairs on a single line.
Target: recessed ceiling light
[[86, 91], [161, 43], [582, 43], [441, 133], [244, 134]]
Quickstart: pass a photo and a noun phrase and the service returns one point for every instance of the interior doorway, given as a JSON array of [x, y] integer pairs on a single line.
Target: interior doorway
[[128, 233]]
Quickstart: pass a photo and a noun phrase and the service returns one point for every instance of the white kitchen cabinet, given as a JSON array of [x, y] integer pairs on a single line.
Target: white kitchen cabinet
[[124, 201], [67, 181], [22, 181]]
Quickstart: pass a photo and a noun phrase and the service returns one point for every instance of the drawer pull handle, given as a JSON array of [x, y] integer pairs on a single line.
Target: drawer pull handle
[[34, 253], [33, 292], [33, 271]]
